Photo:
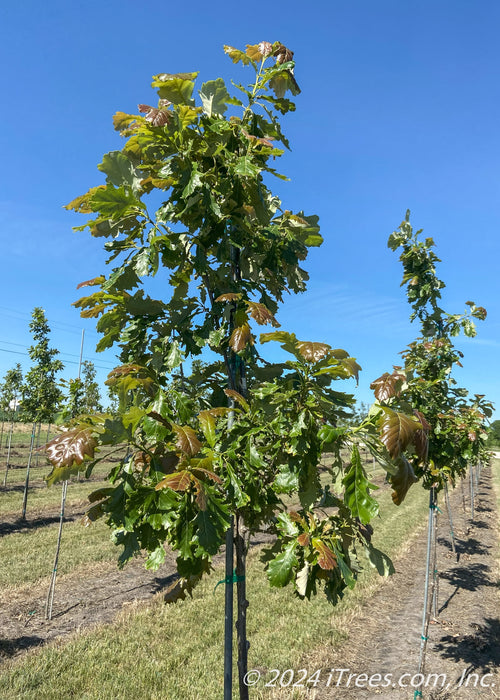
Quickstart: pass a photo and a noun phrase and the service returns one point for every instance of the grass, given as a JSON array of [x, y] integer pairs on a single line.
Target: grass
[[175, 651], [27, 557]]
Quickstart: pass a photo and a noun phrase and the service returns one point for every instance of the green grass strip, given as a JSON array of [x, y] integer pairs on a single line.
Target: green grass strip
[[155, 652]]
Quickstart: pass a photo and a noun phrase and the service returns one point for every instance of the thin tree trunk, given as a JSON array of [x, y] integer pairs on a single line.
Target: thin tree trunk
[[228, 614], [241, 622], [26, 483], [37, 444], [448, 506], [9, 448], [471, 475], [1, 435], [426, 611], [52, 587]]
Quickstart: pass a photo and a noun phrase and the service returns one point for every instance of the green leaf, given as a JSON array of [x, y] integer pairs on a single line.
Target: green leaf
[[214, 96], [115, 202], [302, 580], [287, 525], [379, 561], [356, 495], [246, 167], [176, 88], [156, 558], [236, 55], [120, 171], [402, 480], [280, 569]]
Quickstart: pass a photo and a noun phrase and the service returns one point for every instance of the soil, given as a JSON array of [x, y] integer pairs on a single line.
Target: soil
[[463, 639]]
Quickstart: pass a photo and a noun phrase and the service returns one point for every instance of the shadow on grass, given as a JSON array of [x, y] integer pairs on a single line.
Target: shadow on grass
[[21, 525], [10, 647]]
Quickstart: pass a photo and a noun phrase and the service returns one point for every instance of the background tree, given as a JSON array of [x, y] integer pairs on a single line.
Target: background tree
[[10, 390], [494, 434], [41, 393]]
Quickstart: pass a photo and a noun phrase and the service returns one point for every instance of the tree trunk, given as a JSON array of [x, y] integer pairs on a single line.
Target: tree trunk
[[241, 622], [52, 587], [26, 483], [228, 614], [9, 448]]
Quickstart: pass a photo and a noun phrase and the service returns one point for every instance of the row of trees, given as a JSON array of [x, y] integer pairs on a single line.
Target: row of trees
[[40, 396], [220, 453]]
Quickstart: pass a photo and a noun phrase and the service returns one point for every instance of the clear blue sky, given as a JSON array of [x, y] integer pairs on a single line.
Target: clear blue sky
[[399, 109]]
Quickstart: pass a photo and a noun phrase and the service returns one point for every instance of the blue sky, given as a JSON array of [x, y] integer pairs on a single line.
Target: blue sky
[[399, 109]]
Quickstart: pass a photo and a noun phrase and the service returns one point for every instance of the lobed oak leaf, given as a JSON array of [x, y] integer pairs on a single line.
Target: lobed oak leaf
[[253, 52], [178, 481], [71, 447], [261, 314], [240, 338], [313, 352], [232, 394], [304, 539], [186, 439], [229, 296], [92, 283], [236, 55], [265, 48], [327, 559], [157, 117], [387, 386]]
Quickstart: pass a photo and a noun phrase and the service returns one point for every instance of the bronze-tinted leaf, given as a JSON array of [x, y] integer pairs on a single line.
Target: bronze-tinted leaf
[[178, 481], [71, 447], [157, 117], [156, 416], [397, 430], [92, 283], [261, 314], [421, 436], [282, 54], [313, 352], [350, 364], [186, 439], [402, 480], [201, 471], [232, 394], [304, 539], [241, 337], [387, 386], [229, 296], [257, 139], [327, 559], [201, 496], [265, 48]]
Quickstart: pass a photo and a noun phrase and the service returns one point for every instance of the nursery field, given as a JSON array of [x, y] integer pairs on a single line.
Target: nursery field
[[117, 624]]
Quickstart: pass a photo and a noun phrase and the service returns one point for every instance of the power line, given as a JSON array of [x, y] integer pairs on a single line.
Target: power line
[[70, 362], [68, 354]]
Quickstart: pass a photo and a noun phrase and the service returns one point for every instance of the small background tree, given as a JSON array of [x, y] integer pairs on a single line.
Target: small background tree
[[41, 393]]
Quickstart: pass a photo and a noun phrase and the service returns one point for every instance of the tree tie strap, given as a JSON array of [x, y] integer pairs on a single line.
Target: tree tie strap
[[228, 580], [434, 506]]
